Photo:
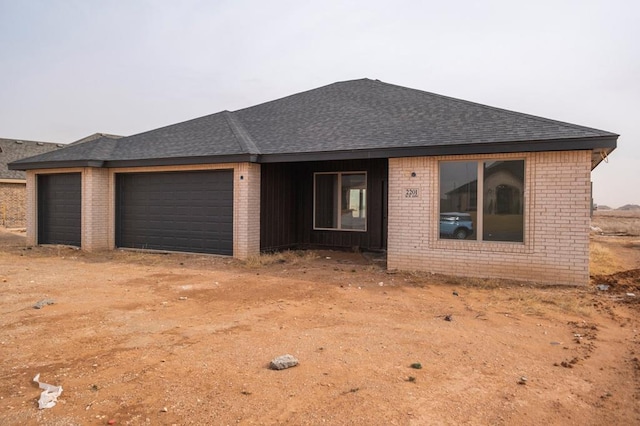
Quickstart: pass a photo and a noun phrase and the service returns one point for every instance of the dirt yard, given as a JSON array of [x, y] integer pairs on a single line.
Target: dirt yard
[[138, 338]]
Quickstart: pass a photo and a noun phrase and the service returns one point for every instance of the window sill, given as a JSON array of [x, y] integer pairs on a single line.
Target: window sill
[[482, 246]]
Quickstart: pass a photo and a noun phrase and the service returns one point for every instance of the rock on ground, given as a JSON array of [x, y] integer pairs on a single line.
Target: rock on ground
[[283, 361]]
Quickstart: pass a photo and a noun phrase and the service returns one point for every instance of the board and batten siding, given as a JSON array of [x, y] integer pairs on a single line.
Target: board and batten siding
[[286, 212]]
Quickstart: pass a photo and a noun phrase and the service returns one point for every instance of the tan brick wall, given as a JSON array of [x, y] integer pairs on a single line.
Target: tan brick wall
[[13, 204], [246, 210], [556, 246], [95, 209], [32, 208]]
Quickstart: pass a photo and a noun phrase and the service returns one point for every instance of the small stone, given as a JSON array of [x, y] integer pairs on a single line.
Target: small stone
[[523, 380], [448, 317], [112, 422], [283, 361], [164, 410], [182, 298], [381, 284], [455, 293], [42, 303], [631, 295]]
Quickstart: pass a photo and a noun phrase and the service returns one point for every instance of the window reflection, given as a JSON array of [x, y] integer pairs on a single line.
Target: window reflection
[[503, 184], [458, 199], [340, 201]]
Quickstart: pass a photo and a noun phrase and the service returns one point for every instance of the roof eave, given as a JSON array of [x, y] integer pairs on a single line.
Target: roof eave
[[35, 165], [602, 143], [184, 161]]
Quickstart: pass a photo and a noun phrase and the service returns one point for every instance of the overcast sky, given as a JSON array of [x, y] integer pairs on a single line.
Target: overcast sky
[[72, 68]]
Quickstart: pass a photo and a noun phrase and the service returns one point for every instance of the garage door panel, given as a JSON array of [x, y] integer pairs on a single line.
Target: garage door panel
[[178, 211], [59, 209]]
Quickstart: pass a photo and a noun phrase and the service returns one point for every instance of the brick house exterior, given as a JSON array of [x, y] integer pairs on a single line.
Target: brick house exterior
[[557, 218], [355, 164], [13, 182]]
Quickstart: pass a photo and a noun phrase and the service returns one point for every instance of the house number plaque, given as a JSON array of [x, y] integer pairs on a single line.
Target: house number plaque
[[411, 193]]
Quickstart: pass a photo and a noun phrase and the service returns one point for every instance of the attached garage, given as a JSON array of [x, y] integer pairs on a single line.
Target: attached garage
[[358, 163], [175, 211], [59, 209]]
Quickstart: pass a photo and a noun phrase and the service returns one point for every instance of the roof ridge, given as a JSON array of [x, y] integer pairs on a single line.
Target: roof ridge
[[30, 141], [596, 132], [242, 135], [95, 136], [296, 94]]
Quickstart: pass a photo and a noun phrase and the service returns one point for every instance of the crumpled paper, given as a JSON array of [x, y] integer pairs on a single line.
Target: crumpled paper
[[49, 395]]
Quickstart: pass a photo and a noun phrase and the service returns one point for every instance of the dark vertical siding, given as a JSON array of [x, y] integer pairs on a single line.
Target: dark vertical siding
[[278, 202], [287, 206]]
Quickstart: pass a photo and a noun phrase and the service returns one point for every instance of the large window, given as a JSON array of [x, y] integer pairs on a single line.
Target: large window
[[482, 200], [340, 201]]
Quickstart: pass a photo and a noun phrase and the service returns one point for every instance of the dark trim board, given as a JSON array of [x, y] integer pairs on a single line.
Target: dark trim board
[[188, 211], [286, 206], [59, 208]]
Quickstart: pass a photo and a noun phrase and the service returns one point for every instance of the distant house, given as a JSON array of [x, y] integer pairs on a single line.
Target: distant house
[[358, 163], [13, 193]]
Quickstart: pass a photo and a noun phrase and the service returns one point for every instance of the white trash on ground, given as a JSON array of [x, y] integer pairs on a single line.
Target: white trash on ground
[[49, 395]]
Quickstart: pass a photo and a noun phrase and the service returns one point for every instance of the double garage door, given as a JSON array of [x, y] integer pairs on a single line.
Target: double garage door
[[176, 211]]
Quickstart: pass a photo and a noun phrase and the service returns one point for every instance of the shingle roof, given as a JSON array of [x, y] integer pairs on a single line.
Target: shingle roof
[[16, 149], [94, 137], [352, 119]]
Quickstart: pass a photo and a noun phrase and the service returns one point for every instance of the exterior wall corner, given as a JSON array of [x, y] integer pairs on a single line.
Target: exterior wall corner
[[246, 210]]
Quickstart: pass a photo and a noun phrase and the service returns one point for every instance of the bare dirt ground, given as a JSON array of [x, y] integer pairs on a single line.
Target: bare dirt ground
[[140, 338]]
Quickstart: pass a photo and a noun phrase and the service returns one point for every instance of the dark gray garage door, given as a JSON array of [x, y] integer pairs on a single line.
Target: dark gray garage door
[[177, 211], [59, 209]]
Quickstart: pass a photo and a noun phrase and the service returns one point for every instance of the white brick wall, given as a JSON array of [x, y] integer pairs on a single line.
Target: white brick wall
[[556, 247], [95, 209], [32, 208], [246, 210]]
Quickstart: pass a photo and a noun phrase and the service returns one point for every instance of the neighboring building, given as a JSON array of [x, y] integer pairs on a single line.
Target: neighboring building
[[359, 163], [13, 193]]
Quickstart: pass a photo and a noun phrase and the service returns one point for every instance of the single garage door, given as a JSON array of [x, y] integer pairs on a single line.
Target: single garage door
[[176, 211], [59, 209]]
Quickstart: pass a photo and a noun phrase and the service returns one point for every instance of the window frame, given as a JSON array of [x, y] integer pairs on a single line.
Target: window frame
[[479, 225], [339, 205]]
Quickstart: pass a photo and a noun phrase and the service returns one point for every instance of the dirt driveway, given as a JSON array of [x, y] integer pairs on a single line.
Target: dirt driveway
[[186, 339]]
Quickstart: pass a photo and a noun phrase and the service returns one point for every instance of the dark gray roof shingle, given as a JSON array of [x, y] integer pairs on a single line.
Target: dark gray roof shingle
[[369, 114], [97, 149], [359, 117], [16, 149]]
